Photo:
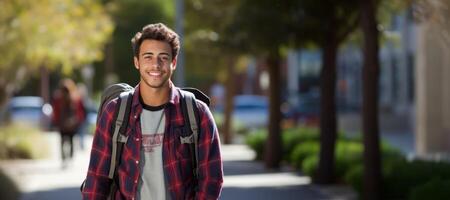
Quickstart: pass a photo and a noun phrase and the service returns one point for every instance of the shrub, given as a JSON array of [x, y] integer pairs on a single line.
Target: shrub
[[256, 140], [8, 188], [402, 177], [20, 141], [302, 151], [348, 154], [295, 136], [354, 177], [309, 166], [399, 178], [434, 189]]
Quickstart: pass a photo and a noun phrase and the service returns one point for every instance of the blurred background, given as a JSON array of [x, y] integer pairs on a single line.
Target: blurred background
[[329, 99]]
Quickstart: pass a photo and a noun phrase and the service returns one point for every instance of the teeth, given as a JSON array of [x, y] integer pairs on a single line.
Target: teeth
[[155, 73]]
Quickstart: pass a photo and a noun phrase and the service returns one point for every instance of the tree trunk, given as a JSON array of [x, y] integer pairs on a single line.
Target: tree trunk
[[328, 133], [372, 158], [229, 104], [273, 151], [45, 84]]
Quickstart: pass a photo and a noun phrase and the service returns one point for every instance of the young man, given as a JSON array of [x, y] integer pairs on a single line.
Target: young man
[[155, 164]]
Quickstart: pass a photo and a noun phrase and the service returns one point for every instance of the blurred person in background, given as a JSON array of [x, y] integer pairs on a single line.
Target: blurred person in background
[[68, 115]]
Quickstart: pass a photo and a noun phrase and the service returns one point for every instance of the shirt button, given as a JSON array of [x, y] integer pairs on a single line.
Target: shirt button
[[135, 116], [137, 139], [137, 161]]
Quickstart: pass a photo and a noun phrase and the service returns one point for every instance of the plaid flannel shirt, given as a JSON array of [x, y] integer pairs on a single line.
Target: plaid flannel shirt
[[177, 159]]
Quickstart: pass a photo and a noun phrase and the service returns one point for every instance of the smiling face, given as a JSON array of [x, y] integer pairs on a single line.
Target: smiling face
[[155, 64]]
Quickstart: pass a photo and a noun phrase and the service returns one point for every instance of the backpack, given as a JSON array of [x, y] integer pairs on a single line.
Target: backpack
[[124, 92]]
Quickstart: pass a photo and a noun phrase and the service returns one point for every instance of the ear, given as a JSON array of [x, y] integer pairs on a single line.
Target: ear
[[174, 63], [136, 62]]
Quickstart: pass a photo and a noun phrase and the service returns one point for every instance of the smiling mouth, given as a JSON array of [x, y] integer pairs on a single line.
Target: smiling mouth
[[155, 74]]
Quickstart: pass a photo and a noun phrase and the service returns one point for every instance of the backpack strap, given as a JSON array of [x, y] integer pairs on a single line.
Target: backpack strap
[[119, 138], [190, 101], [190, 111]]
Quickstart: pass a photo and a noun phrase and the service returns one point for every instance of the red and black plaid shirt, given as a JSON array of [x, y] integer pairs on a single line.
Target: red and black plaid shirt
[[176, 156]]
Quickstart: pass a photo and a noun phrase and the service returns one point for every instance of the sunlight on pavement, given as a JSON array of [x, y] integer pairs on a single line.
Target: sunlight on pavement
[[236, 152], [266, 180]]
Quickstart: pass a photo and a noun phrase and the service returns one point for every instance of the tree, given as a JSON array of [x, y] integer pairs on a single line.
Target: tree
[[326, 24], [212, 53], [49, 34], [260, 27], [371, 71]]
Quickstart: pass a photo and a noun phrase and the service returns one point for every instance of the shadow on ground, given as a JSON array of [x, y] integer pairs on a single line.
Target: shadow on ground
[[63, 193], [263, 193], [249, 167]]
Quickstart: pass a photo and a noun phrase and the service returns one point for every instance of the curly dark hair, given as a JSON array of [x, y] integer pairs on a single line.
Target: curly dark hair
[[159, 32]]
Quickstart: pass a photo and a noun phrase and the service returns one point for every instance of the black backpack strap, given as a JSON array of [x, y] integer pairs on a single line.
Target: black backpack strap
[[198, 95]]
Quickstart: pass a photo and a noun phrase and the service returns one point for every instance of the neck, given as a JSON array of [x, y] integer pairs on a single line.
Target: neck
[[154, 96]]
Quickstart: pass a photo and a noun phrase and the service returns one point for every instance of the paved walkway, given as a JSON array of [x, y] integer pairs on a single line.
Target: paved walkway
[[244, 178]]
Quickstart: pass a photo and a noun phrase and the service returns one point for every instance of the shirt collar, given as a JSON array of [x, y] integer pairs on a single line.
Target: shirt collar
[[174, 95]]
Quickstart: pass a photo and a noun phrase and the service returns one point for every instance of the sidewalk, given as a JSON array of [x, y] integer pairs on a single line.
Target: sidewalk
[[244, 178]]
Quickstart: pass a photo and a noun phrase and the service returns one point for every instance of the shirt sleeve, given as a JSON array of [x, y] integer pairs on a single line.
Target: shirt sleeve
[[210, 177], [98, 184]]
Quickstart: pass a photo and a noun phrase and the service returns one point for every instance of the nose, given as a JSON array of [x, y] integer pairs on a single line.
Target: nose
[[156, 63]]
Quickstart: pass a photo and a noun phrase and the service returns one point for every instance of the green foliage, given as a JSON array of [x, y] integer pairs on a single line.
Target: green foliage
[[290, 139], [433, 189], [21, 142], [401, 178], [256, 141], [302, 151], [309, 166], [293, 137], [208, 49], [260, 26], [54, 32], [354, 177], [8, 188], [348, 156]]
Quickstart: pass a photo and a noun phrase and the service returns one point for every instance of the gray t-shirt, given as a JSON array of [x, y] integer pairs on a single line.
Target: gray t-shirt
[[152, 184]]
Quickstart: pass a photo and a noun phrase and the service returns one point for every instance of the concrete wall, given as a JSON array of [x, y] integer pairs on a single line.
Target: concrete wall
[[432, 90]]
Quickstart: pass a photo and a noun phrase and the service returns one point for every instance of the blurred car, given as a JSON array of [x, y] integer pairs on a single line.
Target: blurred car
[[29, 110], [251, 111]]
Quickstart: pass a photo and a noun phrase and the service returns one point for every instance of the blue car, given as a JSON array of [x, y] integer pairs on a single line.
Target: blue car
[[30, 110]]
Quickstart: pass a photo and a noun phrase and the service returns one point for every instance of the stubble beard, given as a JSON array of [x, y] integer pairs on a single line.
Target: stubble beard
[[155, 84]]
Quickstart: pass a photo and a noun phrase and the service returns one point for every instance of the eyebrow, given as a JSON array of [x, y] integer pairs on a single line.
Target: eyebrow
[[150, 53]]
